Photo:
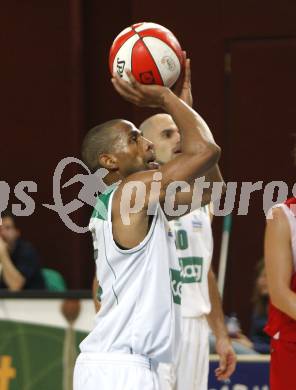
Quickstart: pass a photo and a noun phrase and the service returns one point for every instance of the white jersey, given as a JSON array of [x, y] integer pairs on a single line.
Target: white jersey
[[138, 314], [194, 241]]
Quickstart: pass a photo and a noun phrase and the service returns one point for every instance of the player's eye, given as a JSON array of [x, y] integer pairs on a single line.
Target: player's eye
[[134, 137], [167, 134]]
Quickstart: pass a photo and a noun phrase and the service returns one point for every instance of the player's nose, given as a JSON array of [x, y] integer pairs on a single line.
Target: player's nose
[[148, 145]]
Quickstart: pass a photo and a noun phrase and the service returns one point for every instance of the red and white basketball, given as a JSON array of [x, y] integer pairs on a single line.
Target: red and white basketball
[[150, 51]]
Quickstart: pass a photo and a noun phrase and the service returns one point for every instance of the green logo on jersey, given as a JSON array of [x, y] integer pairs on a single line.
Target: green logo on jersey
[[191, 269], [181, 239], [176, 284]]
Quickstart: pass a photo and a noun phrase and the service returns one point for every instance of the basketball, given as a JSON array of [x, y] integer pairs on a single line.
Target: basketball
[[150, 51]]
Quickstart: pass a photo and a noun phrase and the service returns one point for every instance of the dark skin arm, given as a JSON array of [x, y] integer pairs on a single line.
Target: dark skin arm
[[199, 154], [204, 198], [184, 91]]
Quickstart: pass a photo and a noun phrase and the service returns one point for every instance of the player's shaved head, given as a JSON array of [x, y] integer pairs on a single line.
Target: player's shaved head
[[99, 140], [155, 123]]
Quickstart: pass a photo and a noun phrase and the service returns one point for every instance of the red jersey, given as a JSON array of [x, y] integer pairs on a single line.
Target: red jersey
[[280, 323]]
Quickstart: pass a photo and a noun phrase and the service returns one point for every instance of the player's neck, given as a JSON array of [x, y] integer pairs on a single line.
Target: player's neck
[[112, 178]]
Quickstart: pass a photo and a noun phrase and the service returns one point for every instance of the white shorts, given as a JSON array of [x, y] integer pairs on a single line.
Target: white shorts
[[114, 371], [191, 369]]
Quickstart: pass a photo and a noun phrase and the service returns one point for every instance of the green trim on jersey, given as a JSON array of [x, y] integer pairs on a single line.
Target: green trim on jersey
[[101, 208]]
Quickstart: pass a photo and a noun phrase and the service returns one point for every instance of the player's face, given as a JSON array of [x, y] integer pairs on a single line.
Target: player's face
[[8, 231], [166, 139], [134, 153]]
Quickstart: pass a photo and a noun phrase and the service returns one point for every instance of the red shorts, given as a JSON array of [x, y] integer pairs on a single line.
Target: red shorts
[[282, 365]]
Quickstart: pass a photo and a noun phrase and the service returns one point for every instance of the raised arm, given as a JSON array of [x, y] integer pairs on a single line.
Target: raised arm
[[199, 150], [184, 91]]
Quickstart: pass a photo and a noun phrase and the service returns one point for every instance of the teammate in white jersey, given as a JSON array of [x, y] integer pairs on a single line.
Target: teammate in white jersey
[[136, 259], [200, 300]]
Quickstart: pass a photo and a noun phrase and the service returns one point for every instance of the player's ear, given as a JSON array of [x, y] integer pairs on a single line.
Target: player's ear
[[108, 161]]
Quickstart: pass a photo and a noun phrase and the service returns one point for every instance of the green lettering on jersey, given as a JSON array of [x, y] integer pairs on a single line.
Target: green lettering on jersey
[[191, 269], [176, 285], [181, 239]]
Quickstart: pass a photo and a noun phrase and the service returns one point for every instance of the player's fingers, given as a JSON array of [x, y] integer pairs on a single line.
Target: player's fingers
[[223, 373], [138, 88], [231, 364], [127, 86], [218, 371], [230, 369], [134, 98], [134, 83], [124, 88], [124, 92], [222, 363], [187, 77], [220, 375]]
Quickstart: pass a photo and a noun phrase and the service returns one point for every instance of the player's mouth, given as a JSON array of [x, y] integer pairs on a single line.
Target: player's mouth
[[151, 163], [177, 149]]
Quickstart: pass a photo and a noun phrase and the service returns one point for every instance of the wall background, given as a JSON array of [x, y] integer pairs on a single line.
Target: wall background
[[55, 85]]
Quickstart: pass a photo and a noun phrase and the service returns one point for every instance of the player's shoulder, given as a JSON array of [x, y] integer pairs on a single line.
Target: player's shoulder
[[277, 219], [279, 211], [202, 213], [276, 213]]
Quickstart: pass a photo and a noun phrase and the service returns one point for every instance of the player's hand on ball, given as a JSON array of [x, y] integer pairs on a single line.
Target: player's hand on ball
[[182, 87], [140, 94]]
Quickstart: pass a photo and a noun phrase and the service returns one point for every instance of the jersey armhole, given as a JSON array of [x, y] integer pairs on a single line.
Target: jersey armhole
[[142, 243]]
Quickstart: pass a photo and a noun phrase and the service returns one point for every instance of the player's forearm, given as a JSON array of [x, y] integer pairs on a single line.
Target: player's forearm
[[216, 316], [213, 176], [195, 133], [12, 277]]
